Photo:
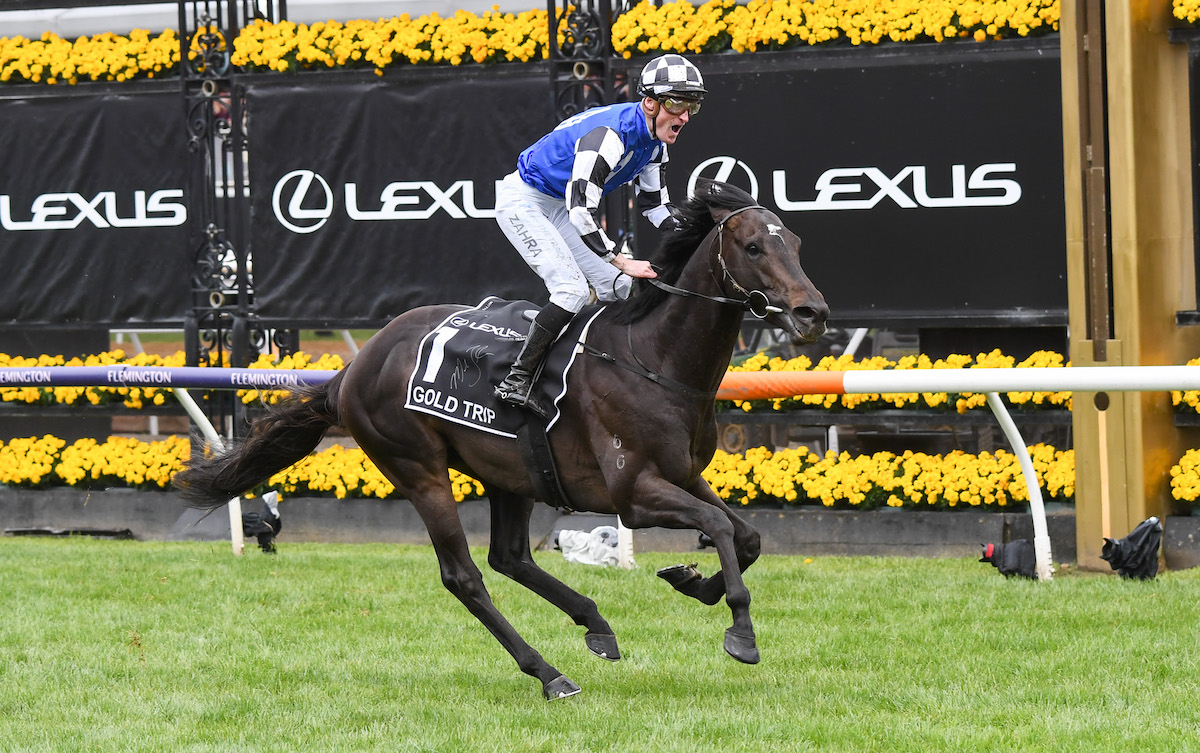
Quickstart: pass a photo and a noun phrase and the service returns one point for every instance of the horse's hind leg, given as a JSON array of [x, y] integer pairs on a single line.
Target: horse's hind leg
[[426, 484], [509, 555]]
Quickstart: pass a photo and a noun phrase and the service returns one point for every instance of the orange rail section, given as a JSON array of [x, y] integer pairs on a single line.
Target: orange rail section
[[764, 385]]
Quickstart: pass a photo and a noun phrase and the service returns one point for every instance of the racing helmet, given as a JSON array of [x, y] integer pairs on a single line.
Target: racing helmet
[[671, 75]]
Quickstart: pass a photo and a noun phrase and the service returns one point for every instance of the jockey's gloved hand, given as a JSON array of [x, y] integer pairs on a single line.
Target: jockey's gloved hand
[[672, 223]]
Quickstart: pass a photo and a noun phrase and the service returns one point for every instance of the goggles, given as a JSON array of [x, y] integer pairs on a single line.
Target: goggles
[[677, 106]]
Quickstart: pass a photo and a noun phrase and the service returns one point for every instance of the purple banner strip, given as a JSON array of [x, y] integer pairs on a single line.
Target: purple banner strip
[[194, 377]]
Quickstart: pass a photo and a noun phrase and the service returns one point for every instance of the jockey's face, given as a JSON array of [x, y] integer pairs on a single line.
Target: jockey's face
[[664, 125]]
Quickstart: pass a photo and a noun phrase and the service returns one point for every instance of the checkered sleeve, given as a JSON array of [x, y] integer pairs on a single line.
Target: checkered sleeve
[[652, 198], [595, 155]]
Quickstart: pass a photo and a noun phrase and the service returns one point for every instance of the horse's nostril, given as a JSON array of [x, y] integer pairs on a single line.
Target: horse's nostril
[[810, 314]]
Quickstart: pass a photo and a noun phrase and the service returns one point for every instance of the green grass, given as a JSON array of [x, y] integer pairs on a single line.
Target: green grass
[[127, 646]]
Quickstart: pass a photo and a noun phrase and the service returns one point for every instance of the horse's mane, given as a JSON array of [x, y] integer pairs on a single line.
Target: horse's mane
[[678, 246]]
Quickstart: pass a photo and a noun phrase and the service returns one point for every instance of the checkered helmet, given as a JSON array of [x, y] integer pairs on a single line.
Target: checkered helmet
[[671, 75]]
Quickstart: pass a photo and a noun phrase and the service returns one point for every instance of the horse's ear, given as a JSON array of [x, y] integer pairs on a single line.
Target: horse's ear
[[711, 193], [722, 199]]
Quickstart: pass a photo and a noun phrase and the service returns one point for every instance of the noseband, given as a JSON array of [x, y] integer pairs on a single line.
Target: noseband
[[755, 301]]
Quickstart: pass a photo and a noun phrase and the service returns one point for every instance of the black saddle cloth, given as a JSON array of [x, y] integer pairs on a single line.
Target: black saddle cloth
[[462, 360]]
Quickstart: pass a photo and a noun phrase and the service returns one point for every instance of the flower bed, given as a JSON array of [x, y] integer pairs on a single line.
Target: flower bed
[[760, 477], [1185, 478], [1186, 10], [987, 481], [1187, 402], [713, 27], [123, 462]]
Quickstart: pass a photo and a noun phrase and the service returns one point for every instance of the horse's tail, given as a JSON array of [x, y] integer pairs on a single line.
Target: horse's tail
[[289, 432]]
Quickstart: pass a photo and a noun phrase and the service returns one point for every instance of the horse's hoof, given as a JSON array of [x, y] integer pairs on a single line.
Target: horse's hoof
[[604, 646], [741, 647], [560, 687], [680, 576]]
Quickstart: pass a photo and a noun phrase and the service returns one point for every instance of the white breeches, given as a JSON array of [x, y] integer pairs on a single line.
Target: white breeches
[[538, 226]]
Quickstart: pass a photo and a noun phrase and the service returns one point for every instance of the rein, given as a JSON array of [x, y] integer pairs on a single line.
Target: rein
[[755, 301], [642, 370]]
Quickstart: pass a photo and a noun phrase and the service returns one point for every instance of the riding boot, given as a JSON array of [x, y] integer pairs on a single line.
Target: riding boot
[[517, 386]]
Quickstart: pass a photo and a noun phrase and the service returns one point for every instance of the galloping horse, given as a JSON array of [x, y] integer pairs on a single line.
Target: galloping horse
[[624, 443]]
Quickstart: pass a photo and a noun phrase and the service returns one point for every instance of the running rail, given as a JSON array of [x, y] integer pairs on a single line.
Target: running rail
[[751, 385], [164, 377], [178, 380], [737, 385]]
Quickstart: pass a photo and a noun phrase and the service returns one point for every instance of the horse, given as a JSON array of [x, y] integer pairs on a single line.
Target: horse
[[636, 429]]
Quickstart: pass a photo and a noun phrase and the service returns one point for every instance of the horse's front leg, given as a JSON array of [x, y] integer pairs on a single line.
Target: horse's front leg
[[747, 543], [657, 502], [509, 555]]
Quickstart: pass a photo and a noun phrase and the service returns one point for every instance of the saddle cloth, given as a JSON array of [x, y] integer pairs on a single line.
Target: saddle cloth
[[460, 362]]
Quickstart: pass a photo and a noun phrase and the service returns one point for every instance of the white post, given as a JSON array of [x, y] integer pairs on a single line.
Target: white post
[[855, 340], [349, 340], [1041, 535], [832, 442], [624, 546], [151, 421], [236, 538]]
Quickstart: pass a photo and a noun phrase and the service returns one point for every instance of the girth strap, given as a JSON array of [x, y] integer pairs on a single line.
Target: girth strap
[[539, 463]]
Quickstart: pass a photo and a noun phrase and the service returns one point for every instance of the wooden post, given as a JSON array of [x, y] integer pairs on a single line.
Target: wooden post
[[1130, 267]]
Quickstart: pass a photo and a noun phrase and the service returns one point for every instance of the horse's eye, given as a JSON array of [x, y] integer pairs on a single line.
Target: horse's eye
[[754, 249]]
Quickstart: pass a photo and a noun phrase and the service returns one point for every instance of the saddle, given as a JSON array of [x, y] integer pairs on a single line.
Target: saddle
[[460, 362], [462, 359]]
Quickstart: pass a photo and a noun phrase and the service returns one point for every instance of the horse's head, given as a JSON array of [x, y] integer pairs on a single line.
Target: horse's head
[[757, 259]]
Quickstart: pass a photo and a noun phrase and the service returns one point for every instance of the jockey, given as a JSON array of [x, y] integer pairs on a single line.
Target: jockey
[[549, 207]]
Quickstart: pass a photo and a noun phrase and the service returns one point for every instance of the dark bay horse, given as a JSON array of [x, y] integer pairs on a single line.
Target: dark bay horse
[[624, 444]]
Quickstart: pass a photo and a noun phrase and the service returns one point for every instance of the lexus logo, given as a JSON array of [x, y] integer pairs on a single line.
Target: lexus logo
[[297, 188], [303, 201], [722, 169], [991, 184]]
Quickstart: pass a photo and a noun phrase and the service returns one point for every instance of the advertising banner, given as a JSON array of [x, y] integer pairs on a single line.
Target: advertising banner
[[926, 189], [93, 214], [373, 198]]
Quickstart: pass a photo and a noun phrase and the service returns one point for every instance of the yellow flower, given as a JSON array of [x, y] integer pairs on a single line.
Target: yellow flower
[[679, 26]]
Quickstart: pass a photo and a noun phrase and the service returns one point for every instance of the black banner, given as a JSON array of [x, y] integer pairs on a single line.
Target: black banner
[[373, 198], [926, 188], [925, 182], [93, 213]]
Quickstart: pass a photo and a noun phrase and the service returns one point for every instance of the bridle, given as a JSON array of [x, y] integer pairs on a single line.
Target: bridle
[[754, 301]]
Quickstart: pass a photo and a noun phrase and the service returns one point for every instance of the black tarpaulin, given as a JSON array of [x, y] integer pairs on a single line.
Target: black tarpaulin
[[1017, 557], [1136, 555]]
